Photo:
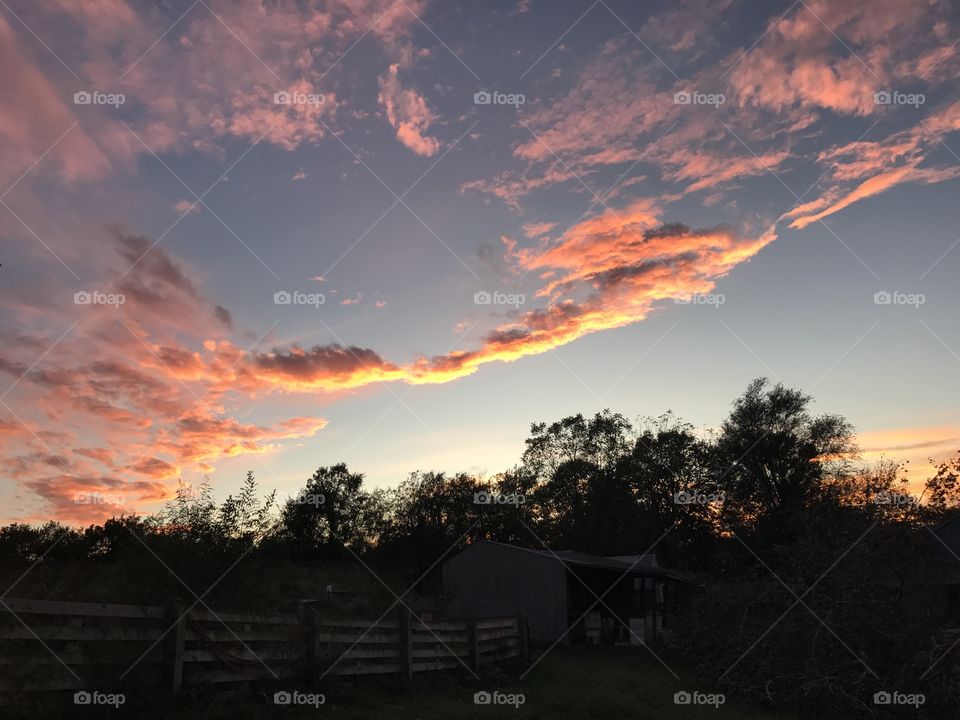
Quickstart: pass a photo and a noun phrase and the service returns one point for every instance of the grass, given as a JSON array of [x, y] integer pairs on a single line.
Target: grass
[[570, 682]]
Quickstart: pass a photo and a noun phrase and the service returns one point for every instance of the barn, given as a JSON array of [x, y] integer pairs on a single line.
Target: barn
[[557, 592]]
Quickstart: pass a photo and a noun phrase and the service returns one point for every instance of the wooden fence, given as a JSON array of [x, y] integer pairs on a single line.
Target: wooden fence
[[49, 645]]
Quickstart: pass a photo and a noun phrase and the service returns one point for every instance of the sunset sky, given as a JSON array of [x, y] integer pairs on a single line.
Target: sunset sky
[[662, 200]]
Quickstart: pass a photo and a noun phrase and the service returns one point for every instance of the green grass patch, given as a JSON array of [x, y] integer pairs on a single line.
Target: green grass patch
[[569, 683]]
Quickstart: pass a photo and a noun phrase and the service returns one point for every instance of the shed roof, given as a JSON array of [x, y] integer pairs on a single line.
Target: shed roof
[[640, 567]]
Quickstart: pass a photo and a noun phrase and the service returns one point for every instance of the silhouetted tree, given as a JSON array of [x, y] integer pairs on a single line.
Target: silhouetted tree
[[773, 457], [943, 489], [52, 540], [332, 511], [194, 517], [580, 497], [670, 474], [246, 517], [431, 515]]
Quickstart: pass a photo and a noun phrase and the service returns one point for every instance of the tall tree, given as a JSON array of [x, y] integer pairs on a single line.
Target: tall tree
[[773, 456], [332, 512], [581, 498]]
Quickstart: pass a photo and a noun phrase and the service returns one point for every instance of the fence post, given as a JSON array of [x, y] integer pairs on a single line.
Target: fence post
[[317, 640], [406, 644], [523, 628], [308, 624], [179, 641], [474, 645]]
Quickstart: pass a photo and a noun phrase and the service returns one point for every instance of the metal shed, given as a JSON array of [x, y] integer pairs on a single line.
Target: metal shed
[[557, 591]]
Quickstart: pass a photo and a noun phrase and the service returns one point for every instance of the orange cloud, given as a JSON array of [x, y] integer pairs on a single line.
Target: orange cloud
[[916, 446], [534, 230], [128, 395], [623, 262], [156, 468], [82, 499]]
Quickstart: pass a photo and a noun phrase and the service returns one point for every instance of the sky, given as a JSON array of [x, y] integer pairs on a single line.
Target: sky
[[271, 236]]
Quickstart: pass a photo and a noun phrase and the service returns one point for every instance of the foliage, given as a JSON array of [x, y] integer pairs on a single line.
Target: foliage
[[773, 457], [854, 605], [333, 515], [944, 486]]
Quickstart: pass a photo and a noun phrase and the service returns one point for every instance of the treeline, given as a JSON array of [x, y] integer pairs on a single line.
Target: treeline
[[597, 484]]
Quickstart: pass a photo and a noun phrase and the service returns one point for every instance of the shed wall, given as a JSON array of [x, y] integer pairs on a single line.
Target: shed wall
[[489, 580]]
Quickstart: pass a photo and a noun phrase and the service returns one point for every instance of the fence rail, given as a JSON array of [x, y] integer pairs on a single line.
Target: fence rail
[[52, 645]]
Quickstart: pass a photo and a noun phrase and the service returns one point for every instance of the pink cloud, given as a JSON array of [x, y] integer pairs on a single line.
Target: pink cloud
[[879, 166], [878, 184], [796, 63], [152, 395], [533, 230], [31, 124], [214, 77], [408, 113], [187, 206], [146, 404]]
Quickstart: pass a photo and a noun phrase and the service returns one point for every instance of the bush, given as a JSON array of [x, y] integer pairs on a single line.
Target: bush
[[870, 611]]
